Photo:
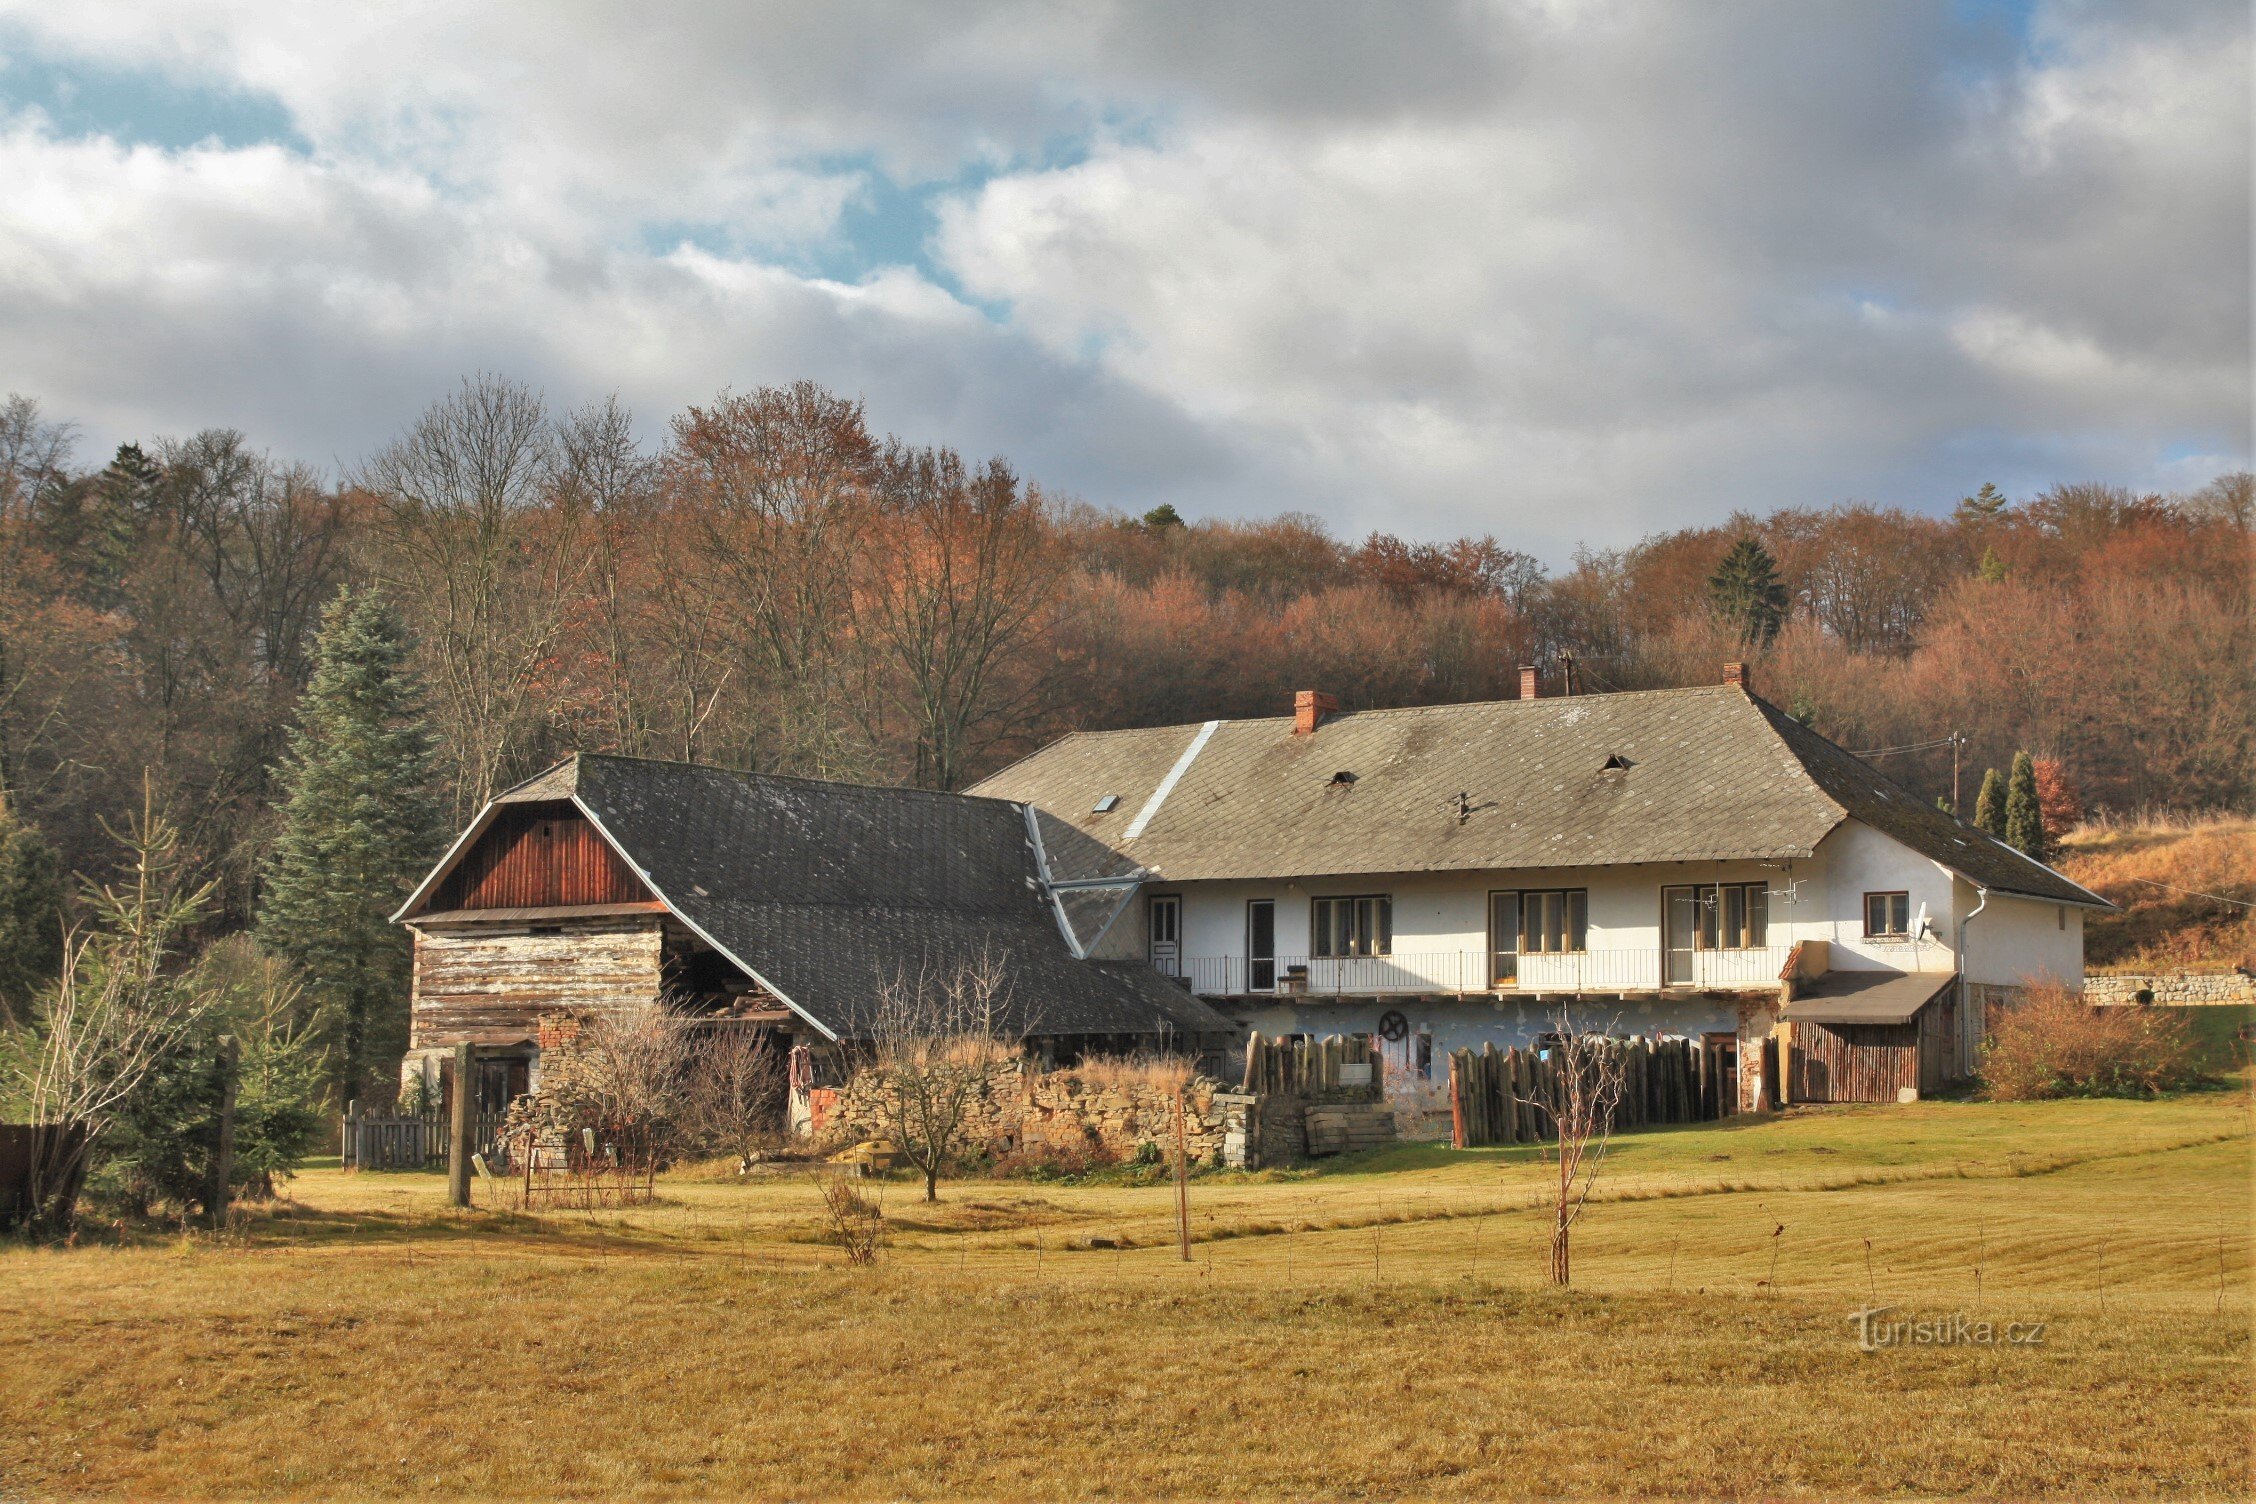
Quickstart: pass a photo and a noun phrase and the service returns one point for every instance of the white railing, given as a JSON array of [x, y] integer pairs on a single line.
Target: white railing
[[1757, 966], [1625, 969]]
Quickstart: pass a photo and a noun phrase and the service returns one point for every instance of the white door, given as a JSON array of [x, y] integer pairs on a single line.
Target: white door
[[1167, 936]]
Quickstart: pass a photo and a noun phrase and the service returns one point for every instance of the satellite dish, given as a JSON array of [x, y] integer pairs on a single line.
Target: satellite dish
[[1920, 928]]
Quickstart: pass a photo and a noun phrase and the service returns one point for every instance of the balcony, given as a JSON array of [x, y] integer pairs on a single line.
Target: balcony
[[1623, 969]]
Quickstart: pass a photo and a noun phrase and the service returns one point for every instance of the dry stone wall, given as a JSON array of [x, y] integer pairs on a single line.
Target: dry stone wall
[[1022, 1109], [2178, 989]]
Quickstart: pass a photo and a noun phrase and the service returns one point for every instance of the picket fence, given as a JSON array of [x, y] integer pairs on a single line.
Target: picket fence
[[1502, 1096], [415, 1141]]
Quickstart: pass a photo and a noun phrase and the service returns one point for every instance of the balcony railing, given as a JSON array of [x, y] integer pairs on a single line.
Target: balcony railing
[[1624, 969]]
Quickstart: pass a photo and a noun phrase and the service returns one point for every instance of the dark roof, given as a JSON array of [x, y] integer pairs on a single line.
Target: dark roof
[[823, 891], [1704, 774], [1865, 997]]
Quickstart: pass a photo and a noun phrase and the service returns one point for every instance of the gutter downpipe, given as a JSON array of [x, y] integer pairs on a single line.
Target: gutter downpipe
[[1966, 1022]]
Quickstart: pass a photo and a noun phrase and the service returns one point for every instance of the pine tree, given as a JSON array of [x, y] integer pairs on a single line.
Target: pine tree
[[2024, 817], [1745, 590], [359, 826], [1989, 805], [1992, 568]]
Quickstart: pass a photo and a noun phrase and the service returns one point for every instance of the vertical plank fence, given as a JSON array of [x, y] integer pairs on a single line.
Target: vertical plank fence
[[1502, 1096], [416, 1141], [1301, 1066]]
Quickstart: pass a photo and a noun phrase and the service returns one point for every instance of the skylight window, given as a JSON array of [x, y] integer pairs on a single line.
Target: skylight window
[[1106, 805]]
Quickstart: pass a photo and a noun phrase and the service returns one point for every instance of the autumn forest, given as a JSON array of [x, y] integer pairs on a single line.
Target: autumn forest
[[780, 587]]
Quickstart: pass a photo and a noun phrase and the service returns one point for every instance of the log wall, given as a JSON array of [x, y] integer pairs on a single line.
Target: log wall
[[490, 986], [538, 856]]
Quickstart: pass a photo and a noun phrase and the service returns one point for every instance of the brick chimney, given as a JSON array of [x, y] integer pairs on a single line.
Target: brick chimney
[[1310, 707], [1531, 682], [1735, 673]]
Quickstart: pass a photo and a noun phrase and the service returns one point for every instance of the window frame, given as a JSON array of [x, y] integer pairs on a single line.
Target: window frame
[[1713, 900], [1357, 930], [1573, 915], [1902, 896]]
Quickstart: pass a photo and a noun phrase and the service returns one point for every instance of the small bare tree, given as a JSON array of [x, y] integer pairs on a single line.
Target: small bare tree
[[114, 1015], [1585, 1090], [938, 1039], [733, 1096], [618, 1087]]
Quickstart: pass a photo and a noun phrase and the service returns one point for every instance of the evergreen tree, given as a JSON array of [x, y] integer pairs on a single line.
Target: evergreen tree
[[31, 915], [1982, 506], [1745, 589], [359, 827], [1162, 517], [1992, 568], [1989, 805], [2024, 817]]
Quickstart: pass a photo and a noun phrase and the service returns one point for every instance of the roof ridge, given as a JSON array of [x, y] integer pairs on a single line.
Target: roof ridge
[[1375, 710], [750, 775]]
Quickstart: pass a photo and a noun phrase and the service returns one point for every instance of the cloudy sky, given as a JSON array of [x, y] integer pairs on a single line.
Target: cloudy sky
[[1555, 271]]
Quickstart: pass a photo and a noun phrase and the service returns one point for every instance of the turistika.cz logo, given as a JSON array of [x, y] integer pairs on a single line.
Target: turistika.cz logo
[[1875, 1331]]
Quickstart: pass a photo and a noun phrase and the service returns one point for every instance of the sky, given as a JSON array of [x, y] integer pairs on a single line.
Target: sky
[[1563, 273]]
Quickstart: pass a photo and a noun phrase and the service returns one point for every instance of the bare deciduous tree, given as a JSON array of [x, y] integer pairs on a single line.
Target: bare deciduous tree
[[733, 1097], [1581, 1108], [482, 543], [938, 1037]]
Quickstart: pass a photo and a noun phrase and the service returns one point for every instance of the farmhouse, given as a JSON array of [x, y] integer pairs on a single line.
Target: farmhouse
[[764, 902], [1688, 862]]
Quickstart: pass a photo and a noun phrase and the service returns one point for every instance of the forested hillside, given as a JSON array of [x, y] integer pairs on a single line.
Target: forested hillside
[[780, 587]]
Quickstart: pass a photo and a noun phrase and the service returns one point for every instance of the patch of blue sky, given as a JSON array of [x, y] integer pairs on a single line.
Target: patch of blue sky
[[137, 106]]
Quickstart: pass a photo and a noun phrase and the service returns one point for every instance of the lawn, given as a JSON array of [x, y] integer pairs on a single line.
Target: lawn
[[1378, 1328]]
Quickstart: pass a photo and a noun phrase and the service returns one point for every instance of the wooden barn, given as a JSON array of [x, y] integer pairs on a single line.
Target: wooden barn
[[783, 903], [1864, 1036]]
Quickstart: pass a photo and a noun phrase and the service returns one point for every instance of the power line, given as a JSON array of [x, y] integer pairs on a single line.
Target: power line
[[2195, 892]]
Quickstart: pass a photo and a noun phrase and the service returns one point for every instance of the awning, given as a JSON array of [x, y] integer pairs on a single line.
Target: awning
[[1866, 997]]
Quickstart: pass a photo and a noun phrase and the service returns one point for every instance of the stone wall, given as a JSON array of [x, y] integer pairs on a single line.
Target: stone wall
[[1281, 1128], [1022, 1108], [2180, 988]]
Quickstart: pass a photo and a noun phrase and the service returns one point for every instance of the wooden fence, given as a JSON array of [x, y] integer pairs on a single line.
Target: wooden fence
[[415, 1141], [1301, 1066], [1499, 1097]]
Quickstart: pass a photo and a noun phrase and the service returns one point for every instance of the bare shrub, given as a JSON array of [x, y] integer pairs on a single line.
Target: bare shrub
[[2054, 1045], [614, 1098], [938, 1041], [857, 1222], [732, 1097]]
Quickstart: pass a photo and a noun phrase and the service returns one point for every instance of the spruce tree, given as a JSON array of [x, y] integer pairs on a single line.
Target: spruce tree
[[359, 827], [1745, 590], [31, 915], [2024, 817], [1989, 805]]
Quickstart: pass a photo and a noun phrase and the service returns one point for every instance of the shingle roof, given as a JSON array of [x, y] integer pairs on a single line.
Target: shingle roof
[[1866, 997], [1703, 774], [825, 890]]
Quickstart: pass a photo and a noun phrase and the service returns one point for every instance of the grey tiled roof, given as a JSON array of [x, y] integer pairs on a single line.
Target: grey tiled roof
[[826, 890], [1704, 774]]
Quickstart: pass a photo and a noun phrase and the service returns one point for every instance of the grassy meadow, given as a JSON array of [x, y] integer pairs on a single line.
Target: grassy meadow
[[1376, 1328]]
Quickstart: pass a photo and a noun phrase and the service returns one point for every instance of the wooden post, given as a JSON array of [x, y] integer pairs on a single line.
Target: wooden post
[[1182, 1178], [223, 1155], [1458, 1083], [464, 1116], [348, 1152]]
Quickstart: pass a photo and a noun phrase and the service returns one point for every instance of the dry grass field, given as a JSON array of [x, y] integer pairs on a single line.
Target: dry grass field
[[2157, 868], [1378, 1329]]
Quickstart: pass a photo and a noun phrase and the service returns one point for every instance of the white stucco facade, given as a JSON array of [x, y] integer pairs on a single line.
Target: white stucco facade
[[1440, 976]]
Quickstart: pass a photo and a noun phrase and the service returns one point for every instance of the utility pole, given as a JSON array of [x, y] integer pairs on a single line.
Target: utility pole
[[1182, 1175], [1958, 739]]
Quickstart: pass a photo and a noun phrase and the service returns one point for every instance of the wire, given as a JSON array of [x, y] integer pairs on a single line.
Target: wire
[[2195, 892], [1906, 747]]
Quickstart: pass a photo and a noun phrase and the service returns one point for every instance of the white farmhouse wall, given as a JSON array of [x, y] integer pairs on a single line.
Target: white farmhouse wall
[[1855, 860], [2019, 940]]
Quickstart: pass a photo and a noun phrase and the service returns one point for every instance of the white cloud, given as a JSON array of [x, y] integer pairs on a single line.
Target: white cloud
[[1556, 273]]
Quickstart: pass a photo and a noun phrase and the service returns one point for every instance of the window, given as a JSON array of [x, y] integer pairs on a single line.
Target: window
[[1734, 916], [1362, 926], [1887, 914], [1544, 922]]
